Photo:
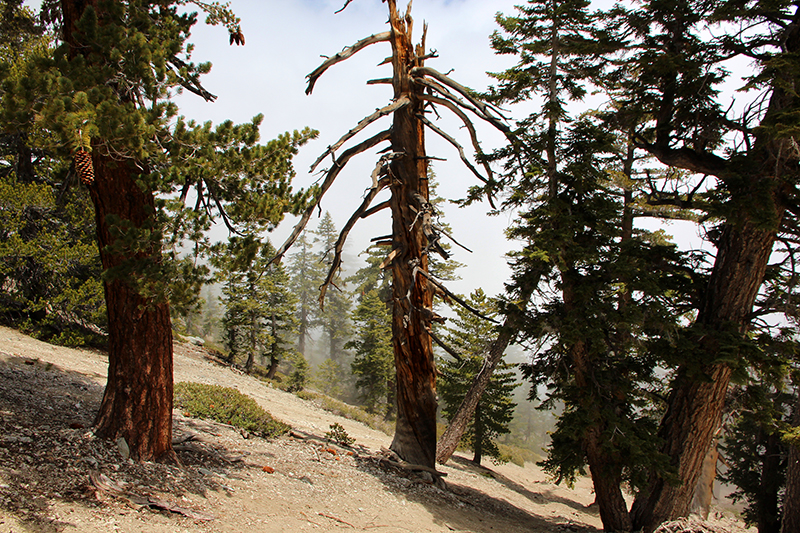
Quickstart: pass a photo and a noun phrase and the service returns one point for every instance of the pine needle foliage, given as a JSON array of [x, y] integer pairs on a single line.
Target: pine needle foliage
[[467, 335]]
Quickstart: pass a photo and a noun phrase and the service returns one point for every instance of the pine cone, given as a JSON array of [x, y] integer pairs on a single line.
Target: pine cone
[[83, 165]]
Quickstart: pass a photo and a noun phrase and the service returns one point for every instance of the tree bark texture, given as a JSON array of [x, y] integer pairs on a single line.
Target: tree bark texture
[[694, 406], [137, 403], [606, 470], [607, 482], [758, 181], [790, 520], [415, 433]]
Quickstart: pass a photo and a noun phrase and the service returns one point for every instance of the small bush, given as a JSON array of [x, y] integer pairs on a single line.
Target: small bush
[[339, 435], [229, 406]]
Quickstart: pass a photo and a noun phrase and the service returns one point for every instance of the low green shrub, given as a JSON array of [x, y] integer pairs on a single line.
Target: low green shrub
[[229, 406], [518, 456], [339, 435]]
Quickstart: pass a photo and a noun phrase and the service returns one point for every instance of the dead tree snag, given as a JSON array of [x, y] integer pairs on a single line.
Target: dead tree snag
[[403, 171]]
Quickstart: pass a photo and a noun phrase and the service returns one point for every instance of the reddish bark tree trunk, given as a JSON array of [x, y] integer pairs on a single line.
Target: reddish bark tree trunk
[[605, 469], [137, 403], [415, 433], [696, 400], [607, 482]]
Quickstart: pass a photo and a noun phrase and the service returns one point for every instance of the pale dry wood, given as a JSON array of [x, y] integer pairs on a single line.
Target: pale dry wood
[[389, 258], [363, 123], [329, 179], [346, 53], [455, 144], [486, 109], [339, 246], [380, 165]]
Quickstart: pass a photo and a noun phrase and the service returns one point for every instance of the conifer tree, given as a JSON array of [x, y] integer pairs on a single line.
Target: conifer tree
[[49, 267], [334, 313], [602, 286], [259, 304], [468, 334], [104, 97], [403, 171], [373, 364], [307, 274], [748, 167]]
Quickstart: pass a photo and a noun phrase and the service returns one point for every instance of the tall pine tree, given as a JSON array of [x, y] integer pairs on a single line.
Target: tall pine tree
[[104, 97]]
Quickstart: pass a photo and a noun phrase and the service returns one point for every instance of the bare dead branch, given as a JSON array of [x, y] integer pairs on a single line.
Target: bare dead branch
[[344, 54], [339, 246], [192, 83], [486, 109], [461, 302], [457, 146], [381, 163], [388, 260], [363, 123], [443, 91], [472, 134], [380, 81], [346, 3], [444, 346], [329, 179], [439, 228], [380, 207]]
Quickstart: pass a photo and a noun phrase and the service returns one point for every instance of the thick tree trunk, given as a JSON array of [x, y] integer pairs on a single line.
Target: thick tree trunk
[[768, 518], [694, 406], [415, 433], [607, 481], [790, 520], [137, 403], [606, 470]]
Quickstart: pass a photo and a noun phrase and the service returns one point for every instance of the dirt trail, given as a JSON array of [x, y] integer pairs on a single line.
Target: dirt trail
[[48, 397]]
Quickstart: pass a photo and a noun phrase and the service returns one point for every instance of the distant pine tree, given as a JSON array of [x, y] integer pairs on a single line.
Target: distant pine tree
[[373, 365], [494, 412]]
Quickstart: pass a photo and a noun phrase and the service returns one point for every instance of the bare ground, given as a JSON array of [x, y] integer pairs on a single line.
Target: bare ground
[[56, 476]]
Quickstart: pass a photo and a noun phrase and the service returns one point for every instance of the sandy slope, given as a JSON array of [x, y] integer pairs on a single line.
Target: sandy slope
[[229, 483]]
